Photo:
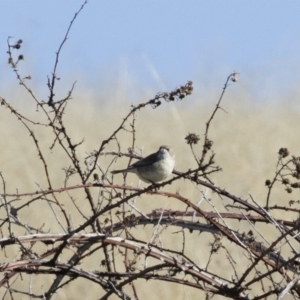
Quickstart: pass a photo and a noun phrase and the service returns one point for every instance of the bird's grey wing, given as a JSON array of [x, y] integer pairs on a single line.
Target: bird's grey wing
[[147, 161]]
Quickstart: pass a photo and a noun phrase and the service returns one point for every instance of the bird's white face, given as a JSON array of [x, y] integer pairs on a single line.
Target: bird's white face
[[166, 151]]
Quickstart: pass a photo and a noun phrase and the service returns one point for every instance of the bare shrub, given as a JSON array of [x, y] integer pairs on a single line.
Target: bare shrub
[[87, 229]]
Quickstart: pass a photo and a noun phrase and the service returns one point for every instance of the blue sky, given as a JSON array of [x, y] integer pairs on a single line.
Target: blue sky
[[160, 43]]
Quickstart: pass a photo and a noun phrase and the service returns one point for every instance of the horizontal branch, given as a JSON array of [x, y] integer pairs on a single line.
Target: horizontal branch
[[137, 247]]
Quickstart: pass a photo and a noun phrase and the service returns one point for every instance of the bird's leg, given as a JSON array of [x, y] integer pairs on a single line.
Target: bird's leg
[[153, 185]]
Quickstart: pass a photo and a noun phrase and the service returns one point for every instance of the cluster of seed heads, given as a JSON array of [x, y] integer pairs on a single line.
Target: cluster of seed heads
[[16, 46], [178, 94], [296, 163], [233, 77], [283, 152], [208, 144], [192, 139], [293, 172], [181, 92]]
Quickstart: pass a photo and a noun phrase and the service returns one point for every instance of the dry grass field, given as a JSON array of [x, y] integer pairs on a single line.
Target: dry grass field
[[247, 135]]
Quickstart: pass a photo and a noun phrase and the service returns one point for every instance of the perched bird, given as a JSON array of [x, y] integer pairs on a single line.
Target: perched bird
[[153, 168]]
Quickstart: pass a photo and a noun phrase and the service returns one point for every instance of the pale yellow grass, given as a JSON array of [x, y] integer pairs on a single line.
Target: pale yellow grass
[[246, 139]]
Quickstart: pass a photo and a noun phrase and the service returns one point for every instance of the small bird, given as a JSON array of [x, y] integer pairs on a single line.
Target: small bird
[[153, 168]]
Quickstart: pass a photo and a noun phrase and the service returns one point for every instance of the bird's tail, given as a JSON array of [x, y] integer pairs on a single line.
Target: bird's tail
[[118, 171]]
